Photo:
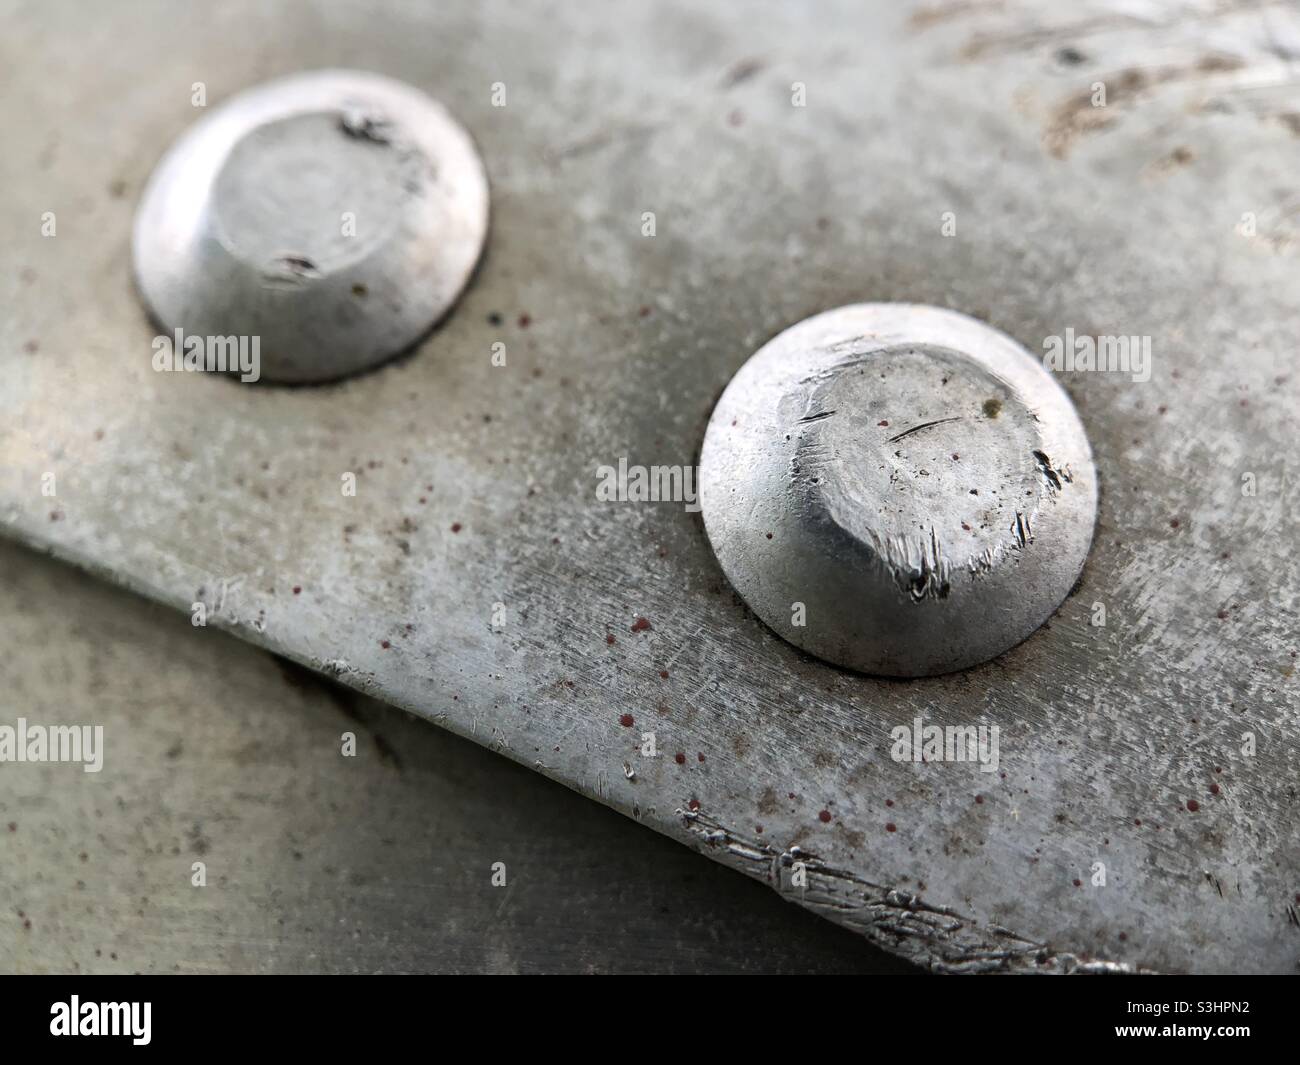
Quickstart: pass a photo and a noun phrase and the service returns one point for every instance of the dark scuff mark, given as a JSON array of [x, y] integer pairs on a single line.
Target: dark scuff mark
[[917, 567], [293, 268], [742, 72], [918, 428], [1056, 479], [1022, 530], [364, 125], [816, 417]]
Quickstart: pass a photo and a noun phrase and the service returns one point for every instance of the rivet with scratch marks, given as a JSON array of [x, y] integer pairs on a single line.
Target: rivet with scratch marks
[[899, 489]]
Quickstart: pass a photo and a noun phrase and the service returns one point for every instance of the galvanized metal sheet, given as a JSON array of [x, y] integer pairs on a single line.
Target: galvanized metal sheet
[[389, 860], [1142, 812]]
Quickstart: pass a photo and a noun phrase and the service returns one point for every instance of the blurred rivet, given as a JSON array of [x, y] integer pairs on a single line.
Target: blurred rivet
[[899, 489], [336, 215]]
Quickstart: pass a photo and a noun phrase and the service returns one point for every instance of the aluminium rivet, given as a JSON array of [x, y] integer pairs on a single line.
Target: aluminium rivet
[[898, 488], [333, 215]]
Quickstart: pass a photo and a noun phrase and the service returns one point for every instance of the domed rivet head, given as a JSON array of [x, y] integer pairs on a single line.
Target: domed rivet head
[[334, 216], [899, 489]]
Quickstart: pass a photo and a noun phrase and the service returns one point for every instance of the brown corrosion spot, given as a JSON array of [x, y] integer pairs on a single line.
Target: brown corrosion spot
[[641, 625], [626, 721], [1080, 114]]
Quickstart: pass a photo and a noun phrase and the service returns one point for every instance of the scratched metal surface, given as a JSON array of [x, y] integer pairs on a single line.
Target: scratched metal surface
[[1122, 220], [381, 862]]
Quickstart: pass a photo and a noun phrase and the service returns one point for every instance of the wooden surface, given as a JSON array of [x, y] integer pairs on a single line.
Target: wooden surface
[[477, 484], [218, 752]]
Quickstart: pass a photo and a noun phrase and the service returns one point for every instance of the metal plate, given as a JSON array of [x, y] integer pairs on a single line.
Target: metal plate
[[1164, 215], [315, 862]]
